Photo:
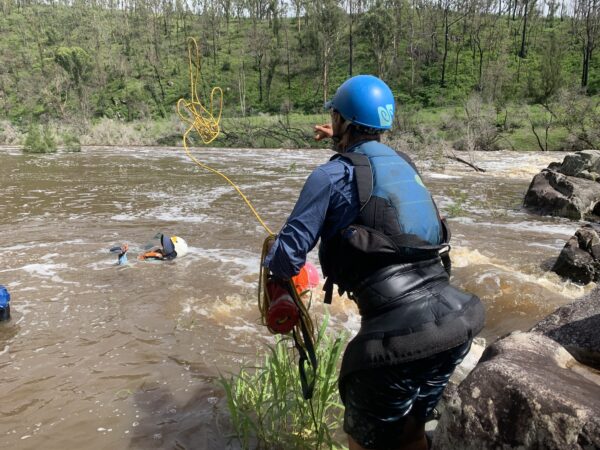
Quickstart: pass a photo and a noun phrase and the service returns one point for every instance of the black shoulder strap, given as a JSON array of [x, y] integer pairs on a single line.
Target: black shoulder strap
[[363, 174], [328, 288]]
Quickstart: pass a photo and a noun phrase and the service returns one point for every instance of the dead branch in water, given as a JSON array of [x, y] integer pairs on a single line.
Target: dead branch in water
[[460, 160]]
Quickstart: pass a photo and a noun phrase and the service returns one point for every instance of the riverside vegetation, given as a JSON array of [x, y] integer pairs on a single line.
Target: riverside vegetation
[[266, 406], [516, 74]]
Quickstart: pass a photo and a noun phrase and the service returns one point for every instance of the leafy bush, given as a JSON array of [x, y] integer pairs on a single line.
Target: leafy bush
[[9, 134], [478, 130], [580, 115], [71, 142], [38, 141], [266, 403]]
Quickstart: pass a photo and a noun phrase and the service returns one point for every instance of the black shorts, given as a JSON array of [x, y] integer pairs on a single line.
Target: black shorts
[[377, 401]]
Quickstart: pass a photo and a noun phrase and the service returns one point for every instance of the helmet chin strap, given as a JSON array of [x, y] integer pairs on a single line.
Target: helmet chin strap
[[337, 138]]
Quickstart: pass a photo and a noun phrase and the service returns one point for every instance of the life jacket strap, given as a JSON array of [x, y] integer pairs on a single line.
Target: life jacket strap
[[446, 261], [363, 174], [328, 288]]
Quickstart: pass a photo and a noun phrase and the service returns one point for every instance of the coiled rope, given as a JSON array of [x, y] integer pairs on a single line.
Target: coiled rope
[[203, 121]]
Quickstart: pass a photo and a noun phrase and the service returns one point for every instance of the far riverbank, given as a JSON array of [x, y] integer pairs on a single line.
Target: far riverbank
[[473, 126]]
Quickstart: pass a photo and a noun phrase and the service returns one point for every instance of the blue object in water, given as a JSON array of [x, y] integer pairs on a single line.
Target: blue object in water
[[4, 303], [122, 259]]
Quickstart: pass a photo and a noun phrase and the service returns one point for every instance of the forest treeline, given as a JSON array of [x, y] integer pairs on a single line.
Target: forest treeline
[[80, 61]]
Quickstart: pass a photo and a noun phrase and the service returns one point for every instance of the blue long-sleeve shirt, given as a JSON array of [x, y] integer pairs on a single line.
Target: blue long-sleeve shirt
[[328, 202]]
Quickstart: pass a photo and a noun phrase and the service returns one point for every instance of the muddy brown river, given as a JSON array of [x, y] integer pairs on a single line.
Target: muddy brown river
[[99, 356]]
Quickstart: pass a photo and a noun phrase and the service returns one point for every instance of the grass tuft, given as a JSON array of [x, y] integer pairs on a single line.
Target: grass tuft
[[266, 406]]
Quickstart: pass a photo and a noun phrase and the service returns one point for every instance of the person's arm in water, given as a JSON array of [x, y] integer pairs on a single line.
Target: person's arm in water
[[122, 256]]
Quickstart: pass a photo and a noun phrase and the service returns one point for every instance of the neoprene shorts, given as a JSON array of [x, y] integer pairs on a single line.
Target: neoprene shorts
[[377, 401]]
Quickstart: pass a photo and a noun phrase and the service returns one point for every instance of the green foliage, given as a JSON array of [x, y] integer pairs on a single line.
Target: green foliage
[[75, 61], [71, 142], [266, 404], [72, 63], [457, 207], [38, 141], [376, 27], [580, 116]]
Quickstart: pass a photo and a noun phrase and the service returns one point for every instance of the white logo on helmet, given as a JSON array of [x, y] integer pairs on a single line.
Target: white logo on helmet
[[385, 115]]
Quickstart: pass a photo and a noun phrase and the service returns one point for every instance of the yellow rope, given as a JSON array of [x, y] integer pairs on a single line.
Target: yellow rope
[[204, 122]]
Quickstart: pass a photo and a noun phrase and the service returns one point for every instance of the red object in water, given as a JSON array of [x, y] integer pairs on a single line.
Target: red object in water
[[307, 278]]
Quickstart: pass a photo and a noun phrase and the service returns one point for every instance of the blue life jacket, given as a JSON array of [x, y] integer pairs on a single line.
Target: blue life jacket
[[389, 262], [398, 220]]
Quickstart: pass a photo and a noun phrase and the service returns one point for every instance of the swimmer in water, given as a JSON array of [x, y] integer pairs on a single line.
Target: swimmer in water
[[121, 254], [169, 248]]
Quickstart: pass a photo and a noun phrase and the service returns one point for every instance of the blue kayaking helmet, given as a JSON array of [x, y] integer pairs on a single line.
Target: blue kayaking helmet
[[4, 304], [4, 297], [364, 100]]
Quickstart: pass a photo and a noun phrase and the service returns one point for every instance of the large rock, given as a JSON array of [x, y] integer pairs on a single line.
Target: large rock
[[579, 259], [568, 189], [527, 392], [583, 164], [577, 328], [552, 193]]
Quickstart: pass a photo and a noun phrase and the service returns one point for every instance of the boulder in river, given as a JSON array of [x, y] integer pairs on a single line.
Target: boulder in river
[[584, 164], [579, 259], [527, 392], [577, 328], [568, 189]]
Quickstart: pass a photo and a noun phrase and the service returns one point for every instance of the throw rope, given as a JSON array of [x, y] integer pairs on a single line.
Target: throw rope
[[203, 121], [303, 333]]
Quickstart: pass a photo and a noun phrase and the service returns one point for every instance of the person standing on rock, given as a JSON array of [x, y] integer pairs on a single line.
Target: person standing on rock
[[381, 240]]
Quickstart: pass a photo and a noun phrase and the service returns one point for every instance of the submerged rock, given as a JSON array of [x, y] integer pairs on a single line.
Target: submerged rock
[[568, 189], [579, 259], [527, 392]]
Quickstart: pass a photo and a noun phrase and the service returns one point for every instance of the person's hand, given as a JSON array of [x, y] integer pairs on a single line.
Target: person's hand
[[323, 131]]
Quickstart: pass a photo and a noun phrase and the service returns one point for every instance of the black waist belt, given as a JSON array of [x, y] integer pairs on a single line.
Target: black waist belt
[[396, 285]]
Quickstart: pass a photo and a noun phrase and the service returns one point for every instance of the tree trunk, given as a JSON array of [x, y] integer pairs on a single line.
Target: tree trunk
[[587, 56], [287, 52], [522, 52], [260, 84], [350, 39], [242, 89], [350, 45], [458, 49], [479, 83], [445, 57]]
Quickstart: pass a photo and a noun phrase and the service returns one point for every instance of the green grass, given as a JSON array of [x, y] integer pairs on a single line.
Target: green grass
[[266, 406]]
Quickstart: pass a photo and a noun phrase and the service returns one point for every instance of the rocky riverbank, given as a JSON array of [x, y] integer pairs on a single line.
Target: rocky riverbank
[[538, 389]]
